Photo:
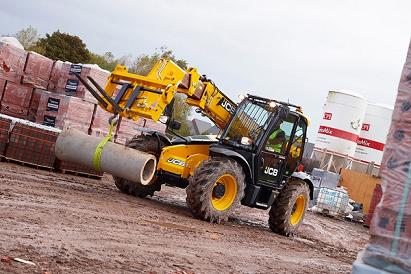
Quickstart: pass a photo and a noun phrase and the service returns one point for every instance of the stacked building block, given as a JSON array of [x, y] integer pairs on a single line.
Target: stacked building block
[[63, 80], [12, 62], [16, 100], [58, 110], [376, 198], [4, 135], [390, 242], [37, 70], [31, 145]]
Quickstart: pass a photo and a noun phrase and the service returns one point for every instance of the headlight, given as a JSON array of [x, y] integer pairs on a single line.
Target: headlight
[[246, 141], [163, 119]]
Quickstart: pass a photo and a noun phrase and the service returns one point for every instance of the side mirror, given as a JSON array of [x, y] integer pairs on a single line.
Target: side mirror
[[174, 125]]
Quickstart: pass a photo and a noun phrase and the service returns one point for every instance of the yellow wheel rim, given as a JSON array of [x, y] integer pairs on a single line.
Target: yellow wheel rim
[[298, 210], [224, 201]]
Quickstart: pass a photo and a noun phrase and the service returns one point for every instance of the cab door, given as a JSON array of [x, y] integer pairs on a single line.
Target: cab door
[[271, 162]]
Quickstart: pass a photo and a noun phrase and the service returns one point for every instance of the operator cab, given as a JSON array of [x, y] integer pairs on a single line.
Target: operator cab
[[270, 136]]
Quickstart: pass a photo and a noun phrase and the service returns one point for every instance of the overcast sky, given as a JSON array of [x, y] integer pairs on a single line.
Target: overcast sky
[[292, 50]]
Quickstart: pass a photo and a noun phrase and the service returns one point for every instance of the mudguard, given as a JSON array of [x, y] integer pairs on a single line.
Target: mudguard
[[216, 150], [306, 178], [158, 134]]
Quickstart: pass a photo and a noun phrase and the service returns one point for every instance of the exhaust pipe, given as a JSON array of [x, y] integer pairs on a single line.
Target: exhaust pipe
[[133, 165]]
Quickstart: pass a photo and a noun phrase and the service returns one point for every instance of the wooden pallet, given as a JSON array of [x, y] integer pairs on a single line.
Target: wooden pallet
[[80, 173], [22, 163]]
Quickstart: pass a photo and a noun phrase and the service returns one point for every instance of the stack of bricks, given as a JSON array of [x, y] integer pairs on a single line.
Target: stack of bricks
[[31, 145], [4, 135], [38, 89], [15, 97], [390, 231], [63, 80], [27, 81]]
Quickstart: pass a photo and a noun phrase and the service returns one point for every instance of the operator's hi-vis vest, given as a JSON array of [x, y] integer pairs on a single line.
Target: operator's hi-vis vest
[[277, 147]]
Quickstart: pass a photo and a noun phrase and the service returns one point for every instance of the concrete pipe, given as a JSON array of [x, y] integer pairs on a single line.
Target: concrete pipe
[[118, 160]]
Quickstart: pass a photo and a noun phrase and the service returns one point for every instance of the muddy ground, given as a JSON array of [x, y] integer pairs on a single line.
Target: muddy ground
[[69, 224]]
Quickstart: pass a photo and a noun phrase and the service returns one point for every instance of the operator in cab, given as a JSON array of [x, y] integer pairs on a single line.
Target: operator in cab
[[276, 141]]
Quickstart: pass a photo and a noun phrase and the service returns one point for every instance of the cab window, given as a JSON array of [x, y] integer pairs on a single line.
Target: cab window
[[280, 136]]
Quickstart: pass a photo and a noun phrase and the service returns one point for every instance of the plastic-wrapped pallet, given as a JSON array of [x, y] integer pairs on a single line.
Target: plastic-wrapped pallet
[[37, 70], [390, 242], [63, 81], [2, 86], [12, 61], [16, 100], [58, 110]]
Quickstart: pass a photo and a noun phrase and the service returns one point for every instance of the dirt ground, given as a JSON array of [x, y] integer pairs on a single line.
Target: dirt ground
[[69, 224]]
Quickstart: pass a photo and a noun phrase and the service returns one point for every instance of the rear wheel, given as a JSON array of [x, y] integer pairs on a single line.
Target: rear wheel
[[289, 208], [149, 144], [216, 189]]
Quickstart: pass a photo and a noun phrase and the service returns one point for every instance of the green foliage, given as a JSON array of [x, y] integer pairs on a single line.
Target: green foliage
[[144, 62], [181, 113], [28, 37], [65, 47], [105, 61]]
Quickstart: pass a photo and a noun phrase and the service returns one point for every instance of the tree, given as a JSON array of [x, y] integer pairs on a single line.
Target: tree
[[105, 61], [28, 37], [143, 64], [64, 47]]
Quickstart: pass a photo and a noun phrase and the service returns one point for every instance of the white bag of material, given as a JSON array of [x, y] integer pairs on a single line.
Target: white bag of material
[[11, 41]]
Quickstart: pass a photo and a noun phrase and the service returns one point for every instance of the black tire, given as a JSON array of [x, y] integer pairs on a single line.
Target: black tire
[[146, 143], [283, 206], [200, 190]]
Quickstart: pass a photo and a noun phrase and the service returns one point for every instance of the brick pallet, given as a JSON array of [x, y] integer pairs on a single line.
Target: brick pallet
[[16, 99], [376, 197], [31, 145], [4, 134], [63, 81], [69, 167], [58, 110], [390, 232], [12, 61], [37, 70]]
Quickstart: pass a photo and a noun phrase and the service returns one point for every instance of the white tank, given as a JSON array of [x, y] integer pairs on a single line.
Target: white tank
[[373, 134], [341, 123]]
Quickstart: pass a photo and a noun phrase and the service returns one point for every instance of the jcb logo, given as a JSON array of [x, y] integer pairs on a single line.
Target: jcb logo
[[176, 162], [227, 105], [271, 171]]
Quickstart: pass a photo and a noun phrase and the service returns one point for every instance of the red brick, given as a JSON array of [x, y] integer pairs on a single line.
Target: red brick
[[37, 70], [34, 104], [13, 110], [2, 86], [376, 198], [62, 81], [17, 94], [4, 134], [60, 111], [12, 61], [32, 145]]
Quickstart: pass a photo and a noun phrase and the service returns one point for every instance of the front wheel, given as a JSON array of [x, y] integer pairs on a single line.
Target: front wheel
[[289, 208], [216, 189], [149, 144]]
